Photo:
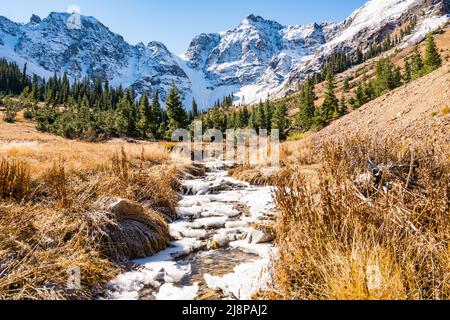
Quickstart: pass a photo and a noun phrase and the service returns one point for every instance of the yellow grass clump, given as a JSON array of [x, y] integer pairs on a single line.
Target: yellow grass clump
[[14, 179]]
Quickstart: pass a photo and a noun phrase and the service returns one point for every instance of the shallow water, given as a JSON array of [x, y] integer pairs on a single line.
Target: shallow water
[[215, 262]]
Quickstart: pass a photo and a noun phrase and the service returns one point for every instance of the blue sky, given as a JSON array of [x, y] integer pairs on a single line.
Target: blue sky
[[176, 22]]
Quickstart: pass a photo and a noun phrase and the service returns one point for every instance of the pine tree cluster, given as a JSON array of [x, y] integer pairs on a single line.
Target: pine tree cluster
[[94, 110]]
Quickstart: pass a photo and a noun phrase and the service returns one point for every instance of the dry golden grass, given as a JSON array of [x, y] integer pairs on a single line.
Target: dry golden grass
[[14, 179], [340, 238], [60, 209], [293, 156], [255, 175]]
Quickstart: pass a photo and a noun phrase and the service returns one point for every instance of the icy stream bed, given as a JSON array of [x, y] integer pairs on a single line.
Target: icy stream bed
[[216, 253]]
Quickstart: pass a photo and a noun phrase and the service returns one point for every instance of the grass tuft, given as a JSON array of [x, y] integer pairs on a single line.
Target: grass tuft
[[14, 179]]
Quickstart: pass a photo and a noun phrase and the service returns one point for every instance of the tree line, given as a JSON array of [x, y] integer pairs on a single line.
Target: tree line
[[264, 116], [94, 110]]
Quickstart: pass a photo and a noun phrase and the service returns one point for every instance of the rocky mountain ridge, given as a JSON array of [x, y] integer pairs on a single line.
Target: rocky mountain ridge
[[256, 59]]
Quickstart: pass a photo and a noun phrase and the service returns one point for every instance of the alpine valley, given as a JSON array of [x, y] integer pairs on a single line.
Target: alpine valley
[[256, 59]]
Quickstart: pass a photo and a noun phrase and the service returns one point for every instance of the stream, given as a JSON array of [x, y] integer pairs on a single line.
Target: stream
[[216, 253]]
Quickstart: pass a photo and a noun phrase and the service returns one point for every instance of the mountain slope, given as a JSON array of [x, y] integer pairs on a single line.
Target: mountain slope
[[257, 58], [418, 110]]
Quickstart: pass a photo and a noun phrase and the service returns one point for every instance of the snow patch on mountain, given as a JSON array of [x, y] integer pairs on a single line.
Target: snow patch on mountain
[[428, 25], [374, 14]]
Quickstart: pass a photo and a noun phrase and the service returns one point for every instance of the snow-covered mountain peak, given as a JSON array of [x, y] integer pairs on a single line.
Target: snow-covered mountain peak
[[159, 46], [260, 22]]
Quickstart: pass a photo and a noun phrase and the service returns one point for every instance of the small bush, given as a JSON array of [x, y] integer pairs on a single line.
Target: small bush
[[169, 146], [28, 114], [297, 137], [10, 111]]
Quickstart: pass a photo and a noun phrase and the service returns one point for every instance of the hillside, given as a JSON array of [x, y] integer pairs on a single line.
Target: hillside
[[365, 70], [354, 229], [417, 110]]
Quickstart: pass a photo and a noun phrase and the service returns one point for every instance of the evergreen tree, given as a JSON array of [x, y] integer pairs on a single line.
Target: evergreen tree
[[24, 76], [11, 78], [432, 59], [352, 102], [387, 77], [261, 117], [125, 121], [359, 56], [245, 116], [145, 115], [305, 116], [343, 106], [396, 80], [360, 98], [331, 103], [176, 114], [157, 120], [218, 119], [232, 121], [134, 119], [194, 108], [369, 91], [416, 65], [253, 120], [346, 86], [35, 91], [280, 120], [106, 102], [268, 110], [407, 70], [64, 89]]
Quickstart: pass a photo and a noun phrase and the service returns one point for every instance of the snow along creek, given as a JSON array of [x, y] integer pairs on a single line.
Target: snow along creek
[[216, 253]]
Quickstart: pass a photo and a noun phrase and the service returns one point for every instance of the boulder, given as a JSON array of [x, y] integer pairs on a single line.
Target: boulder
[[195, 233], [220, 241], [255, 236], [236, 224]]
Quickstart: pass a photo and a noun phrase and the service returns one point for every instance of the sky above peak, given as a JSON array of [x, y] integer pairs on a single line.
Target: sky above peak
[[177, 22]]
